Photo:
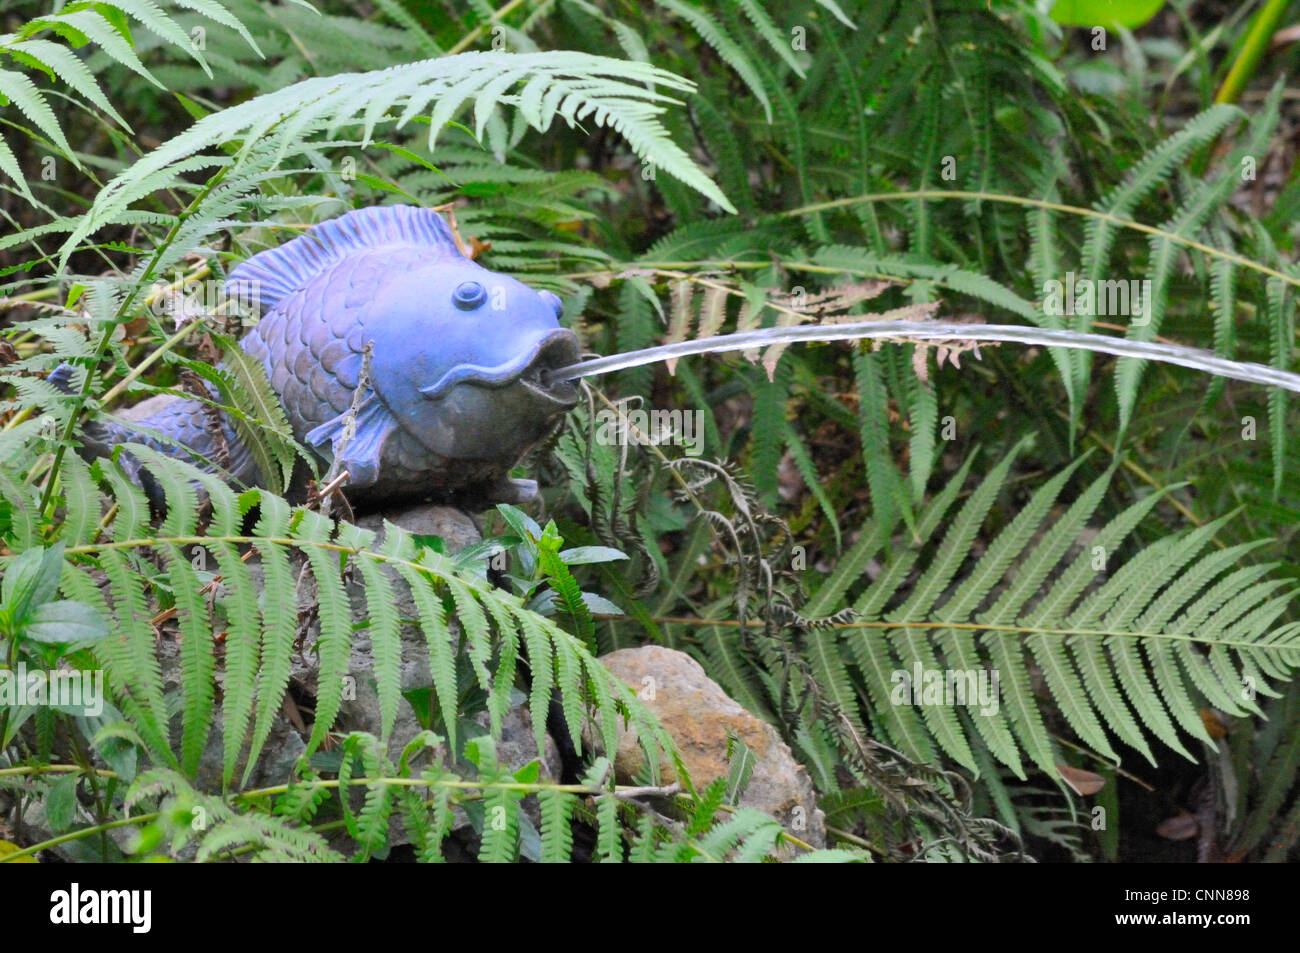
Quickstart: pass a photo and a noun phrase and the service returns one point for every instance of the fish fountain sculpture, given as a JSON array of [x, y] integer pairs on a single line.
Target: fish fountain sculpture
[[457, 389]]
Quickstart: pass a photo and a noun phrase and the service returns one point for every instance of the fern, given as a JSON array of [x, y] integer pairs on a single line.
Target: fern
[[1152, 598], [572, 86], [259, 420], [133, 669], [557, 836], [224, 830], [94, 24], [1208, 197]]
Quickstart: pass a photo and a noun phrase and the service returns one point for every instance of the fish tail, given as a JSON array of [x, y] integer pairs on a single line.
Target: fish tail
[[98, 437], [184, 429]]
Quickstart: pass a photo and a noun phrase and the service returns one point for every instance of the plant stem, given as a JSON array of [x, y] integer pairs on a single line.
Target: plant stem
[[148, 362], [474, 34], [1261, 31], [78, 835]]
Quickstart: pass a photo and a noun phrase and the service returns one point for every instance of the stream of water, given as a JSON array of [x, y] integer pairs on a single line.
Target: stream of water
[[928, 331]]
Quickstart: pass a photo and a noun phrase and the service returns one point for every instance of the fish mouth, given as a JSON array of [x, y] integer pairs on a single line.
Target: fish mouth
[[556, 350], [552, 351]]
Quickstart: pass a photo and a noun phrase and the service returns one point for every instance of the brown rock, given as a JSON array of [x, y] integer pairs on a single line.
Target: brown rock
[[698, 715]]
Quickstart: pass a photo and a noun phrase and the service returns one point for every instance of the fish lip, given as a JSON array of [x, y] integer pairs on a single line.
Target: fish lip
[[554, 349]]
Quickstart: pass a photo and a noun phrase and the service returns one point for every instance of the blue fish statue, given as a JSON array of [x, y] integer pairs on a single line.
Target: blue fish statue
[[457, 392]]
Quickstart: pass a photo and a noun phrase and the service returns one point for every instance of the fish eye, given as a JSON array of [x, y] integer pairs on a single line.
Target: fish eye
[[554, 301], [468, 295]]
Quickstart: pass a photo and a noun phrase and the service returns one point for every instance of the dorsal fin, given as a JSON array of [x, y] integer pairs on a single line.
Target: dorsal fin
[[272, 275]]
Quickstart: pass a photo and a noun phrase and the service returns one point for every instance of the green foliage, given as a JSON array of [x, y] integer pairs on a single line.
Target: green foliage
[[272, 822], [494, 632], [1154, 633], [826, 531]]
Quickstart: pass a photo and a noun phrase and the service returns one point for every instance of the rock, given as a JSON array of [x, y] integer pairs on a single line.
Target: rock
[[456, 527], [698, 714]]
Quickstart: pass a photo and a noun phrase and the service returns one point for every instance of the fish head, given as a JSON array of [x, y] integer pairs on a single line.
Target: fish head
[[461, 356]]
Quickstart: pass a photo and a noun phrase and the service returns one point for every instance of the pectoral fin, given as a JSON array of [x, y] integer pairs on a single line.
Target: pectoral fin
[[360, 455]]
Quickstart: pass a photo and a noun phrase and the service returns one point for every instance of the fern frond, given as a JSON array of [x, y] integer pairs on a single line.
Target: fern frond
[[557, 835], [384, 630], [572, 86], [1208, 197], [1135, 638]]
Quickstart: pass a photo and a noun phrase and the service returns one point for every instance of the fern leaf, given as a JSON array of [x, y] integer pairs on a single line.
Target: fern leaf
[[433, 622], [385, 634], [261, 423], [1281, 322], [609, 834], [543, 673], [557, 835], [718, 38], [500, 827], [335, 635], [279, 620], [19, 90]]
